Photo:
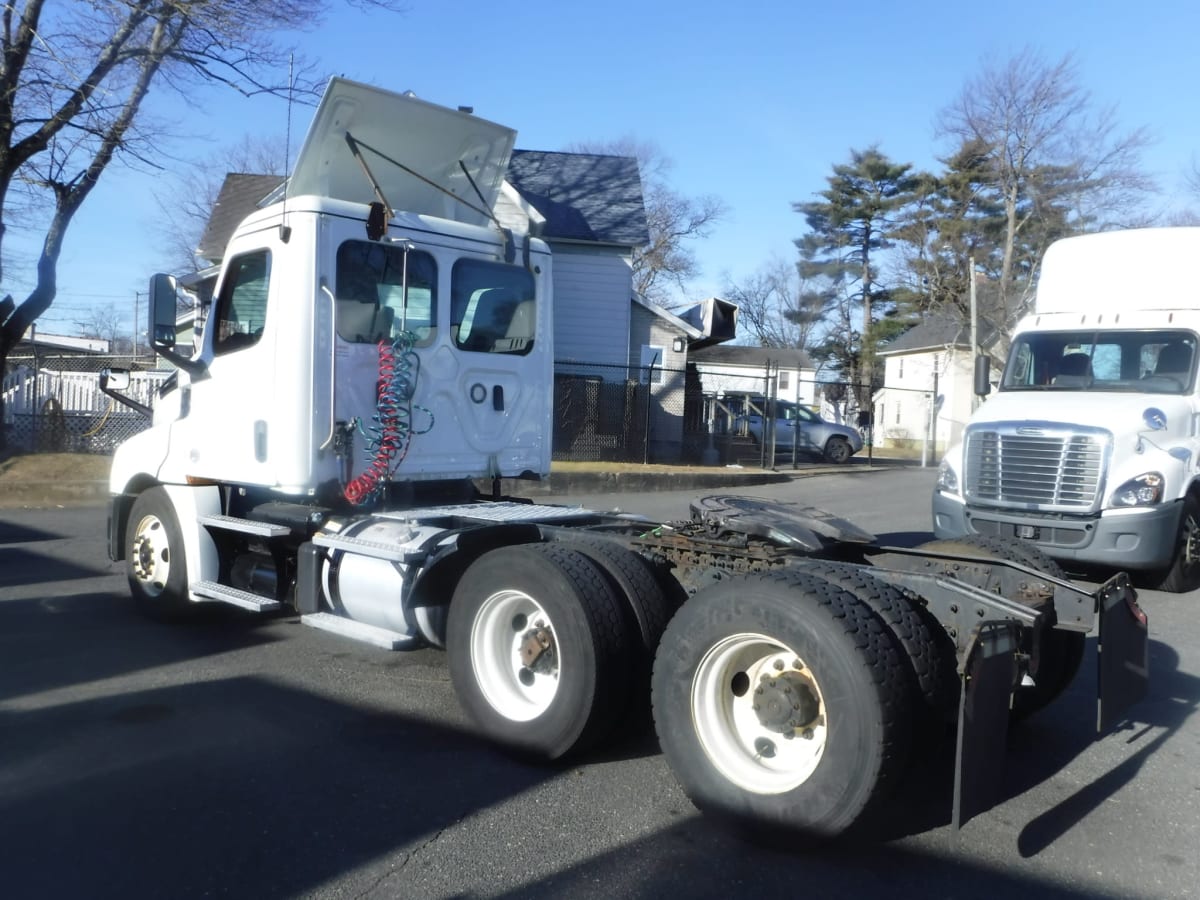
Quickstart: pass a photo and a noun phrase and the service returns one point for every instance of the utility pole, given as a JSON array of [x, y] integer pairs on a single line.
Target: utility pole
[[137, 296], [974, 326]]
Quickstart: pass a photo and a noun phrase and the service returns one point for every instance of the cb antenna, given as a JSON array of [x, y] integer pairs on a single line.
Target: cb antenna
[[285, 231]]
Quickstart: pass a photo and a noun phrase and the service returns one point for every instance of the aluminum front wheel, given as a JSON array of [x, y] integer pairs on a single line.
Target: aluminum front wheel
[[150, 555], [515, 655], [759, 714]]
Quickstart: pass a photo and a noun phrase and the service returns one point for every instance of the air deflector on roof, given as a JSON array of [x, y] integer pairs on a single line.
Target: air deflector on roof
[[442, 146]]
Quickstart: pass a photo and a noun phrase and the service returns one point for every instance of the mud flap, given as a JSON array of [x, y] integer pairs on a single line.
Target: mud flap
[[983, 711], [1124, 652]]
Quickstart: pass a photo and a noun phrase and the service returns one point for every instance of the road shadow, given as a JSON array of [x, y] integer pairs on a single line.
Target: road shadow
[[12, 533], [1172, 699], [698, 858], [20, 567], [54, 642], [237, 786]]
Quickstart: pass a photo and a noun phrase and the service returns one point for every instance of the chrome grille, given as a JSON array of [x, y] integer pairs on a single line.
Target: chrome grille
[[1036, 466]]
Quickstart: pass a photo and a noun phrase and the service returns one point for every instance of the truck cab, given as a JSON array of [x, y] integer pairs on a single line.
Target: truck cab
[[1090, 448], [334, 335]]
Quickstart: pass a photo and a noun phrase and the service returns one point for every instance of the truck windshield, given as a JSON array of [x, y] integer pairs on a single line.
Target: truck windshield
[[1141, 361]]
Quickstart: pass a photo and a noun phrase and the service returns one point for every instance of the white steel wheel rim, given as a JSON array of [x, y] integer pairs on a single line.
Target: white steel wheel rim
[[151, 555], [514, 691], [749, 753]]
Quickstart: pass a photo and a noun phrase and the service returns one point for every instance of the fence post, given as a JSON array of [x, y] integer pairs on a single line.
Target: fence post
[[646, 430]]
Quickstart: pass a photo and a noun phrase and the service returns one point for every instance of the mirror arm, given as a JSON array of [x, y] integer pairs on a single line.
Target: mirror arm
[[121, 398], [194, 367]]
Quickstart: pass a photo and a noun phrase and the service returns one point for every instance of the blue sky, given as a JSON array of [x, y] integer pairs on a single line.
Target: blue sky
[[753, 102]]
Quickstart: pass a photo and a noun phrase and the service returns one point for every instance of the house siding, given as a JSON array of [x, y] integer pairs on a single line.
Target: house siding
[[727, 378], [902, 406], [592, 287], [667, 393]]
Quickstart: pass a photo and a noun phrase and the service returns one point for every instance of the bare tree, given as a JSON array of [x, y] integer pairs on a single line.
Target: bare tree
[[1049, 149], [106, 324], [73, 78], [775, 306], [673, 220], [186, 200]]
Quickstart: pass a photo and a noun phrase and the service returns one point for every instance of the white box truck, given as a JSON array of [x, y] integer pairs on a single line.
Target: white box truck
[[364, 366], [1090, 448]]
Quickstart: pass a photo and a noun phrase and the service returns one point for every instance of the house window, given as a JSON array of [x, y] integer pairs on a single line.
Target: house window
[[900, 367], [784, 379], [897, 413]]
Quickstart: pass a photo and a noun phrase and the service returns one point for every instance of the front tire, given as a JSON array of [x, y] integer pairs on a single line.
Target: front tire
[[780, 701], [1183, 574], [538, 649], [154, 558], [838, 451]]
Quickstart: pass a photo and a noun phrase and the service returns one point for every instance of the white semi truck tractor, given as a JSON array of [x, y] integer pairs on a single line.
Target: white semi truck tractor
[[377, 347], [1090, 449]]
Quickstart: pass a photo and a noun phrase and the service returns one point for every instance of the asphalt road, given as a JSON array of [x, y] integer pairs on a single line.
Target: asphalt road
[[259, 758]]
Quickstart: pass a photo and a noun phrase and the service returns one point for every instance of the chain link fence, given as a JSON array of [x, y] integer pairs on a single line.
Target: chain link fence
[[626, 413], [53, 403], [605, 413]]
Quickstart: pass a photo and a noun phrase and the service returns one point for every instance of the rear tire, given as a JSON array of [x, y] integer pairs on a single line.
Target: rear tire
[[633, 580], [538, 649], [780, 701], [931, 662], [154, 558], [1061, 652]]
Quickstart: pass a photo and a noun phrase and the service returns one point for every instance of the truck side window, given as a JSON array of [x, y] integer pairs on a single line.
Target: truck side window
[[370, 291], [242, 303], [492, 307]]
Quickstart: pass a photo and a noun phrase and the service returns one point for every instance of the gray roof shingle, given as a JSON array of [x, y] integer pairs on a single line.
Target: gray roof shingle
[[583, 196], [240, 194]]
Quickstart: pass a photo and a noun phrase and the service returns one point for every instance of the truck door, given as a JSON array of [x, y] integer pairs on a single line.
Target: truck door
[[225, 430]]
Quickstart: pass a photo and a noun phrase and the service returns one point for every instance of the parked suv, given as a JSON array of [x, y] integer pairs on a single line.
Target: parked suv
[[802, 427]]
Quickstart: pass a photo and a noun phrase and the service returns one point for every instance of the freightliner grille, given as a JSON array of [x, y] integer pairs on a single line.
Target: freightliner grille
[[1036, 466]]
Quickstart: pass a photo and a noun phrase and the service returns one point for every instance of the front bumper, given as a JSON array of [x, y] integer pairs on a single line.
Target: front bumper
[[1134, 539]]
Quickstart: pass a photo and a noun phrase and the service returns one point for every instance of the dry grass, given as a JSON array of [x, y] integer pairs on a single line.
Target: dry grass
[[51, 479]]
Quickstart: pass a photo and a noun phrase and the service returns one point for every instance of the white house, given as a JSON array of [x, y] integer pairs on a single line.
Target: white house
[[728, 374], [940, 344]]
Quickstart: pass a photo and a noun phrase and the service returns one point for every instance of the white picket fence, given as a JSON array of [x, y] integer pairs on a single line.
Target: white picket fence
[[26, 391]]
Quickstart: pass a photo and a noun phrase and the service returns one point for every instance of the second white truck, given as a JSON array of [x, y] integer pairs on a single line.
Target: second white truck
[[1090, 449]]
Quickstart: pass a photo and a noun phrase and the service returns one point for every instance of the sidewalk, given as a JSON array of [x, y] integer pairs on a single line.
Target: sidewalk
[[62, 479]]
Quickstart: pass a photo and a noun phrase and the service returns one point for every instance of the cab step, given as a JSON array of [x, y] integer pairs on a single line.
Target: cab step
[[374, 549], [211, 590], [245, 526], [360, 631]]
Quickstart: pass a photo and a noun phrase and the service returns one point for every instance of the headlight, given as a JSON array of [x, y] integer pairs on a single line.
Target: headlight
[[1145, 490], [947, 479]]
